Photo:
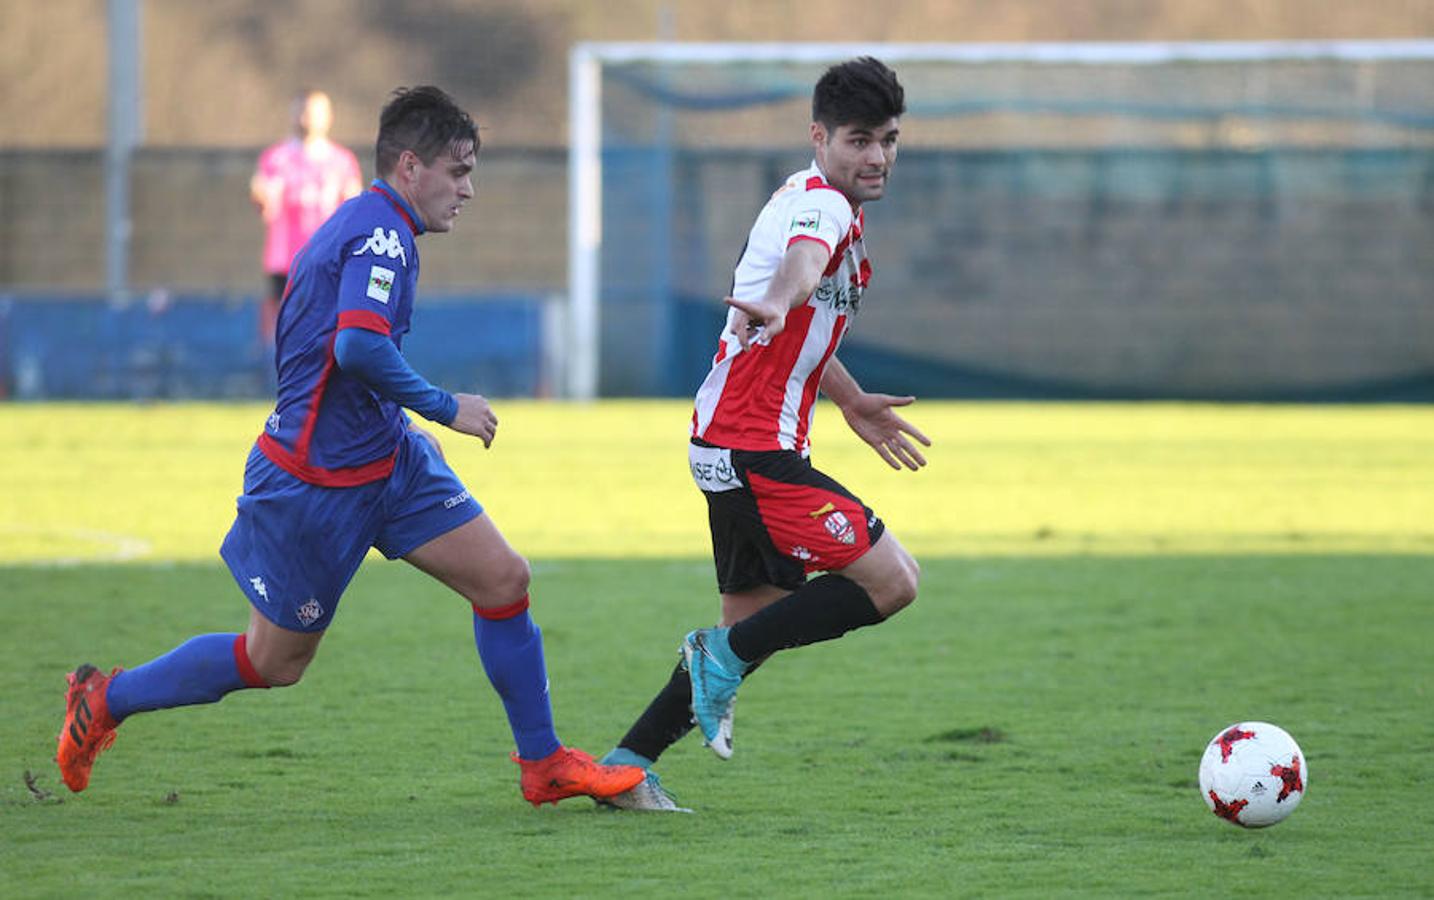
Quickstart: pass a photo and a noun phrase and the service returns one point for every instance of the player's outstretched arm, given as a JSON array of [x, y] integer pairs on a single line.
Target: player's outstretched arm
[[873, 418], [798, 274]]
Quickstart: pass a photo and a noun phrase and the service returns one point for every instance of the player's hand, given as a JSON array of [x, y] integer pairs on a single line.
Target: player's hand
[[770, 318], [872, 418], [428, 436], [475, 417]]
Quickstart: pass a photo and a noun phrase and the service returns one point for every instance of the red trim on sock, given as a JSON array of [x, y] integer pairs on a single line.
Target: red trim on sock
[[501, 612], [251, 675]]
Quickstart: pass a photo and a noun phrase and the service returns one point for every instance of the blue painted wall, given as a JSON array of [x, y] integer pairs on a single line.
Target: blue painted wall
[[207, 347]]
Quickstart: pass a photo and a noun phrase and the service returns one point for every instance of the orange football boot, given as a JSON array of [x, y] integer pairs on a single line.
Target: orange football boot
[[88, 728], [568, 772]]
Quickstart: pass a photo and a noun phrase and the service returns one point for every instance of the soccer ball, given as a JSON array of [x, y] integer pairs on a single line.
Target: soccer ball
[[1253, 774]]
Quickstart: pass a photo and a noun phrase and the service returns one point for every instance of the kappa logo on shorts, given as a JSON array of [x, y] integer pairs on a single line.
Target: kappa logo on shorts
[[257, 584], [455, 500], [839, 526], [310, 612]]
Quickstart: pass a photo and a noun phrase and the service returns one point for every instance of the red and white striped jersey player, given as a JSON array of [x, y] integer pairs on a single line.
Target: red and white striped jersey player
[[774, 518], [796, 290]]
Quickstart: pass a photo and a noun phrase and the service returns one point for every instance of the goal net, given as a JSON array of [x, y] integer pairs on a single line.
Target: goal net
[[1201, 221]]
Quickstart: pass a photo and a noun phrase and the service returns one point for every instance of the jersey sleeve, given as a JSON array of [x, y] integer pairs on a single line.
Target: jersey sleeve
[[373, 281], [374, 360], [819, 214]]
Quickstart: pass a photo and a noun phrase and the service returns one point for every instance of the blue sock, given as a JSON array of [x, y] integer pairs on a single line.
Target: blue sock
[[201, 670], [512, 653]]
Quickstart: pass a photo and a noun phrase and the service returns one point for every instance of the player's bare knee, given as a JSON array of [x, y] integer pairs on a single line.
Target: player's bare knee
[[898, 589], [282, 673], [503, 585], [517, 575], [910, 582], [282, 677]]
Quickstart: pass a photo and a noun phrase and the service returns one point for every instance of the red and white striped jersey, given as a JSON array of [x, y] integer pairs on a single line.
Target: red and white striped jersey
[[763, 398]]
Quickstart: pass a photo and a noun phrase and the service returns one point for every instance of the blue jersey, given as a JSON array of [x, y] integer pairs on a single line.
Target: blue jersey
[[359, 270]]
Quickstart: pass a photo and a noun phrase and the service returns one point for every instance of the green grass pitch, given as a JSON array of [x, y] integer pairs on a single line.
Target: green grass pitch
[[1104, 586]]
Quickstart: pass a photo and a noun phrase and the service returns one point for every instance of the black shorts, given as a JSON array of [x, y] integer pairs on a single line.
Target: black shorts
[[774, 518]]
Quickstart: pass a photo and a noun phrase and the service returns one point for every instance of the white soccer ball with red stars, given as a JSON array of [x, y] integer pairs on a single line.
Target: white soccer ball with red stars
[[1253, 774]]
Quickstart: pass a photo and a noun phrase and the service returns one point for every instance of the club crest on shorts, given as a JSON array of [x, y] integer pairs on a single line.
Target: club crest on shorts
[[839, 527], [310, 612]]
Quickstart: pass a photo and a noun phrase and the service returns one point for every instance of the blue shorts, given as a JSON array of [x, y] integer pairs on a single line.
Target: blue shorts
[[295, 546]]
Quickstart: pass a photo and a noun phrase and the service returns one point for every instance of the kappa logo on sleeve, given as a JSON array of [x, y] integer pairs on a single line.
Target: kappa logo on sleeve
[[806, 222], [380, 283], [384, 243]]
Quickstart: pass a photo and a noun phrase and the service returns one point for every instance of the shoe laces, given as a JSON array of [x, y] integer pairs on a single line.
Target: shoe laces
[[655, 783]]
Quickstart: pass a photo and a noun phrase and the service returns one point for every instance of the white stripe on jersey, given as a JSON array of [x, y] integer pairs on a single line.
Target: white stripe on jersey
[[814, 349], [716, 381]]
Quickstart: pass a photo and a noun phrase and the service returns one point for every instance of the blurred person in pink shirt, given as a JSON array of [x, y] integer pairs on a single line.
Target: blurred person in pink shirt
[[297, 185]]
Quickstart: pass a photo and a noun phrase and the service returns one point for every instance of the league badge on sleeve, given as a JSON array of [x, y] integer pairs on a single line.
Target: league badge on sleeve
[[380, 283], [808, 222]]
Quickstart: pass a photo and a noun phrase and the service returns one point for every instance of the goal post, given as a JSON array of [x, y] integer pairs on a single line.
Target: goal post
[[1046, 146]]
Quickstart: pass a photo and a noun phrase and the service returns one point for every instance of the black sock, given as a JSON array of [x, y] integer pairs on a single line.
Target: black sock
[[667, 718], [820, 610]]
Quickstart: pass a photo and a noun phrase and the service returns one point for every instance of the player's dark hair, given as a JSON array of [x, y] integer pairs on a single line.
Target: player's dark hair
[[422, 119], [860, 91]]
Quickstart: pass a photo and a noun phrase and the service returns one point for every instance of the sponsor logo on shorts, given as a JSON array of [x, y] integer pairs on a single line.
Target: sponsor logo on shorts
[[825, 508], [839, 527], [380, 283], [257, 584], [802, 553], [456, 499], [274, 422], [712, 469], [310, 612]]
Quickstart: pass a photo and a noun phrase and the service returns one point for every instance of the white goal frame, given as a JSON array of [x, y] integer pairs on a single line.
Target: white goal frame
[[581, 332]]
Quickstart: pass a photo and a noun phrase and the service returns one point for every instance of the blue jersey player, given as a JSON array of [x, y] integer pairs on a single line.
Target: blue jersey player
[[339, 468]]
